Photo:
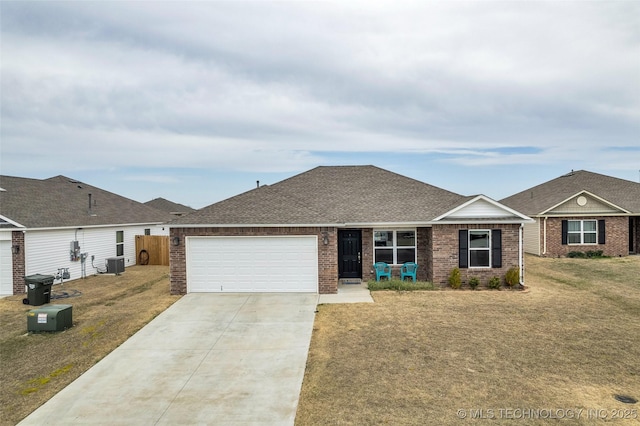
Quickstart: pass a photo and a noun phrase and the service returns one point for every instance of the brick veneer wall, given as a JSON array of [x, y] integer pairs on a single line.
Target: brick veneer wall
[[616, 238], [424, 258], [636, 240], [17, 260], [327, 254], [367, 255], [425, 254], [445, 253]]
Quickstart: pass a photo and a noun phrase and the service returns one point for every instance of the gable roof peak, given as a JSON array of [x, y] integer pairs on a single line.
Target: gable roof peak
[[538, 199]]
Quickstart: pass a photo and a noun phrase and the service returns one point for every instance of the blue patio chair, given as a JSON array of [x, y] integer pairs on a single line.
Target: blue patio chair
[[382, 270], [408, 269]]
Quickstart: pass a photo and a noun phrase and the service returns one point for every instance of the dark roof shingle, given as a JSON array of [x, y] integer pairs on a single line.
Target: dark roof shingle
[[332, 194], [169, 206], [63, 202], [620, 192]]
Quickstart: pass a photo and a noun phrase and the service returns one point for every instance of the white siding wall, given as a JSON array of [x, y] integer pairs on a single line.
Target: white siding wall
[[6, 268], [46, 251], [593, 206], [532, 237], [480, 208]]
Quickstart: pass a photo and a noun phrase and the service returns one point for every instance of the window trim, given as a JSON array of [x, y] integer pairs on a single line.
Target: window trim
[[119, 245], [582, 232], [495, 248], [489, 248], [394, 247]]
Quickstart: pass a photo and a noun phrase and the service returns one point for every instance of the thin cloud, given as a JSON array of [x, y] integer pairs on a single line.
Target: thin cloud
[[279, 87]]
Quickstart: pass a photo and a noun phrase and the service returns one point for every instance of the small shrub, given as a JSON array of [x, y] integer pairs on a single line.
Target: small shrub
[[591, 254], [399, 285], [454, 278], [474, 282], [512, 277], [594, 254], [576, 254], [494, 283]]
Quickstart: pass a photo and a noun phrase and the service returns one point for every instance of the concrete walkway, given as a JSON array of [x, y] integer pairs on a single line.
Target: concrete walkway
[[208, 359], [348, 293]]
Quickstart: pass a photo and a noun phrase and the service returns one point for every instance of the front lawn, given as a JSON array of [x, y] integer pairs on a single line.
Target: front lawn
[[106, 310], [560, 350]]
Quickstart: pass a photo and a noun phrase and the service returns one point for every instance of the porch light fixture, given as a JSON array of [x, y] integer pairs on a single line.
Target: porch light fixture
[[325, 238], [15, 249], [176, 241]]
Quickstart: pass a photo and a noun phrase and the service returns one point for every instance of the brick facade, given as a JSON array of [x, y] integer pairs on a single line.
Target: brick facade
[[367, 255], [423, 236], [17, 260], [636, 237], [445, 253], [437, 252], [616, 241], [327, 254]]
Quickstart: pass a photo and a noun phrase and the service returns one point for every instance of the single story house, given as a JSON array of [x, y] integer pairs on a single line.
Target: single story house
[[306, 233], [170, 207], [57, 223], [581, 211]]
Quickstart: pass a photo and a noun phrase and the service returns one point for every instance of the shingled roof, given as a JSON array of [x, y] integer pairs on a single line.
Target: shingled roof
[[331, 195], [536, 200], [64, 202], [169, 206]]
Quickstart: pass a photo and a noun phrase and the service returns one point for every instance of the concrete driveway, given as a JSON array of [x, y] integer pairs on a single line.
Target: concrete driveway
[[208, 359]]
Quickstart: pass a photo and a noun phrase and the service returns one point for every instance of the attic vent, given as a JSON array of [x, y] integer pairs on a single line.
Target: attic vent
[[571, 173]]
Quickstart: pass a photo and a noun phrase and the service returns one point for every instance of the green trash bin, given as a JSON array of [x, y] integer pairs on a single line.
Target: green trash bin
[[38, 289]]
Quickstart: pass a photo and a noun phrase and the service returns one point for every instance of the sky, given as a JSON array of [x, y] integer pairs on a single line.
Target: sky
[[196, 101]]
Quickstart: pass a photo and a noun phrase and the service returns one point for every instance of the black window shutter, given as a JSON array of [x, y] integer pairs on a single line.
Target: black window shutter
[[601, 232], [463, 248], [496, 248], [565, 231]]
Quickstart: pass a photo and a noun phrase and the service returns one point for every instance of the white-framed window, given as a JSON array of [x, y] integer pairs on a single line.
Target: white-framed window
[[394, 246], [479, 248], [582, 232], [119, 243]]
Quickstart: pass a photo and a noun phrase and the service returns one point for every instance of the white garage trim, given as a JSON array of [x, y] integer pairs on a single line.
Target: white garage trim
[[252, 264], [6, 269]]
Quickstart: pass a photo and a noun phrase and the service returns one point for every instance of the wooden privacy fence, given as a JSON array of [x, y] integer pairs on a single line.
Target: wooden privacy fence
[[152, 250]]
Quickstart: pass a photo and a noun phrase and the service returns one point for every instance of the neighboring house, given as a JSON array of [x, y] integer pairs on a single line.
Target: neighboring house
[[174, 209], [581, 211], [307, 232], [55, 223]]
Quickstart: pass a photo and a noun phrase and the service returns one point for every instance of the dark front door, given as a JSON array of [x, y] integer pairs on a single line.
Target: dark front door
[[350, 254]]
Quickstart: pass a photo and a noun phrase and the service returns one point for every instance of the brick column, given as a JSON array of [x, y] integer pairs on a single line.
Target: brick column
[[17, 260]]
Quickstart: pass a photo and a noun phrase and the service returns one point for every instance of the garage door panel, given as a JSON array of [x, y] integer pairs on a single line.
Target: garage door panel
[[252, 264]]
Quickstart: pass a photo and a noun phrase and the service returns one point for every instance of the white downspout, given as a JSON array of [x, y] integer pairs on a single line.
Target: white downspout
[[544, 243], [520, 256]]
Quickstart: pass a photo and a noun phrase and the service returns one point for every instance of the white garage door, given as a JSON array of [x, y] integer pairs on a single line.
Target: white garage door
[[252, 264], [6, 269]]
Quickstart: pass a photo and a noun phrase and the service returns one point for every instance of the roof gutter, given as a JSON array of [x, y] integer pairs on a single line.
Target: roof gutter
[[351, 224], [115, 225], [12, 222], [255, 225], [483, 221]]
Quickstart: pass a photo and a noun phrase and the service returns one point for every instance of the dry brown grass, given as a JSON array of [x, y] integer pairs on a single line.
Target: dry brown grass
[[571, 341], [35, 366]]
